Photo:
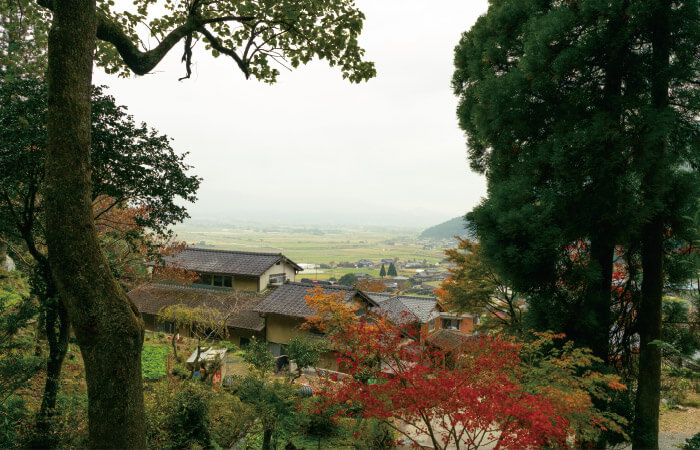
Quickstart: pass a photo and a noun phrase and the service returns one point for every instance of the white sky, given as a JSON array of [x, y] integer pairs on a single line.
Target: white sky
[[313, 148]]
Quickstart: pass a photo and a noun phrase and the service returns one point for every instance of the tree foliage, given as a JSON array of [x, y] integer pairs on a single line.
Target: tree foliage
[[473, 286], [252, 34], [138, 182], [391, 271], [488, 396], [349, 279], [331, 312], [583, 116], [17, 311], [370, 285], [259, 357], [255, 35], [201, 322], [305, 352]]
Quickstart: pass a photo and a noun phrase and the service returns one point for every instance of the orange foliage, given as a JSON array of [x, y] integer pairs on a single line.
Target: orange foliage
[[369, 285], [332, 313]]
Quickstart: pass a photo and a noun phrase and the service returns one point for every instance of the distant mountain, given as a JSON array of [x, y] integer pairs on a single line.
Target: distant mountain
[[447, 230]]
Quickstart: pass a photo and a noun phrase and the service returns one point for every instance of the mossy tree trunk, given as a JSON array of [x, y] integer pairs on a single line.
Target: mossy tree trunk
[[107, 325], [57, 333], [646, 420]]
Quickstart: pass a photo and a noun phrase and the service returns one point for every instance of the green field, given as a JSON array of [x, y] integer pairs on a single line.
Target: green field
[[316, 245], [153, 361]]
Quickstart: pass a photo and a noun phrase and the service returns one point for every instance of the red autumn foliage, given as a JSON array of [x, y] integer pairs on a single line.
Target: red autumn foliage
[[475, 400], [129, 244]]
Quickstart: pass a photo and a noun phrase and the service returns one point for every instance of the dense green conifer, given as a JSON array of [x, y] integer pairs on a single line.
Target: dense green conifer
[[566, 108]]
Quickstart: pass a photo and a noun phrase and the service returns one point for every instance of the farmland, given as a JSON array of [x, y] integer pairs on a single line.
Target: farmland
[[313, 245]]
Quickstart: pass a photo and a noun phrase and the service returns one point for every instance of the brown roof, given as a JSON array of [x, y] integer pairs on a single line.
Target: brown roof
[[289, 299], [227, 261], [446, 339], [151, 298]]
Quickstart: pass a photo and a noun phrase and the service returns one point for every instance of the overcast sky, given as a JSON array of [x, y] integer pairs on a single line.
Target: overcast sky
[[315, 149]]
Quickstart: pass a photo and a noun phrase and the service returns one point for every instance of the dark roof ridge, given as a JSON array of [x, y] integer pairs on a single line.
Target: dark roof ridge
[[324, 286]]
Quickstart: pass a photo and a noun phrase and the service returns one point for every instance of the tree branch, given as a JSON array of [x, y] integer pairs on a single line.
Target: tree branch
[[140, 62], [216, 45]]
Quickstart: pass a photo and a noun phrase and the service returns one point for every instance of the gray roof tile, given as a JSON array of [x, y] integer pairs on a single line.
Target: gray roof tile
[[289, 299], [226, 261], [401, 308]]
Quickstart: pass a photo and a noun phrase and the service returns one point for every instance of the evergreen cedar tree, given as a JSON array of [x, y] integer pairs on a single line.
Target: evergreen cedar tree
[[106, 323], [127, 198], [583, 116], [382, 271], [488, 391], [392, 270]]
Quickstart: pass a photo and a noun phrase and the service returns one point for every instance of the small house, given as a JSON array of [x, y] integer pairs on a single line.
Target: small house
[[285, 310], [247, 271]]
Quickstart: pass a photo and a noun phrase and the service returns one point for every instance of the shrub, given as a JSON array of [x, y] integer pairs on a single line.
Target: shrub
[[259, 357], [157, 399], [228, 346], [675, 386], [693, 443], [230, 418], [188, 421], [13, 412]]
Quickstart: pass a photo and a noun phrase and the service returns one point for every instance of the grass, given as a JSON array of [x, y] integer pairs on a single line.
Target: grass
[[153, 364], [685, 419]]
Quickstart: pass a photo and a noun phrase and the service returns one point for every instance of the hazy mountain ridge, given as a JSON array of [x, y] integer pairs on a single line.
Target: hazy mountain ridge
[[447, 230]]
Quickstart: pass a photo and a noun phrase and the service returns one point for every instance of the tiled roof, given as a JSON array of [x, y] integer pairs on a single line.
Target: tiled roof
[[446, 339], [289, 299], [420, 308], [150, 299], [227, 261]]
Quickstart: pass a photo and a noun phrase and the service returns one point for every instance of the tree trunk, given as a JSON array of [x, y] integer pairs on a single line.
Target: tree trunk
[[599, 296], [174, 346], [267, 439], [56, 317], [646, 421], [107, 325]]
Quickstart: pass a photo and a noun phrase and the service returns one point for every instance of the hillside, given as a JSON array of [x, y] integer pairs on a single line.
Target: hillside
[[446, 230]]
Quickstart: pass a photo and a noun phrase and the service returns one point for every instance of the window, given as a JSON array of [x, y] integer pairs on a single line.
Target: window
[[450, 324], [476, 320], [431, 325], [215, 280], [277, 278], [204, 279]]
